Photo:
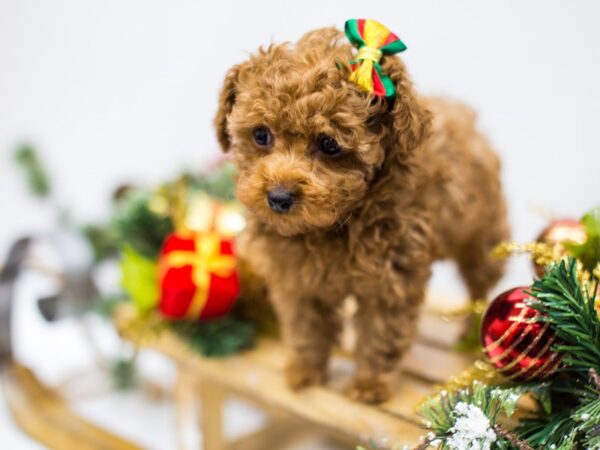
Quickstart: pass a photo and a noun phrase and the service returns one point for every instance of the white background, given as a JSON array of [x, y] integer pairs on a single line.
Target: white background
[[119, 90]]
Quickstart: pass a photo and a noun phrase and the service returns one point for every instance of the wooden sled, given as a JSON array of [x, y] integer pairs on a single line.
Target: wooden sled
[[46, 416], [256, 376], [38, 410]]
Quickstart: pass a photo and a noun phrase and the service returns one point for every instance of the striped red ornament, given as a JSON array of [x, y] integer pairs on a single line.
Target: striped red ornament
[[516, 343]]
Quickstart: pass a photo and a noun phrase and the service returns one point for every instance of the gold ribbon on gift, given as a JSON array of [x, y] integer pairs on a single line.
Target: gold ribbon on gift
[[205, 260]]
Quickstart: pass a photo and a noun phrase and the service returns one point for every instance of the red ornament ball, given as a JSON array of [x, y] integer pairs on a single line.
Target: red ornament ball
[[557, 232], [516, 344]]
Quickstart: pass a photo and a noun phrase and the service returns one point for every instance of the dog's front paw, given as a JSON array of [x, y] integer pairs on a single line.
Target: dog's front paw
[[369, 390], [300, 375]]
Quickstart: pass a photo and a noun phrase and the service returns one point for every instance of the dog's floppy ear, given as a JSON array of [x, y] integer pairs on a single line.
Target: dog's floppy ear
[[226, 102], [410, 119]]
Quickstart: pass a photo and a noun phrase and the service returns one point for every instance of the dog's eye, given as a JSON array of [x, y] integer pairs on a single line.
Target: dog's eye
[[328, 145], [262, 136]]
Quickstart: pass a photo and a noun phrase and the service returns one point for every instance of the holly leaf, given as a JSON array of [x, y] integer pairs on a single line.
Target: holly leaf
[[588, 252], [139, 279]]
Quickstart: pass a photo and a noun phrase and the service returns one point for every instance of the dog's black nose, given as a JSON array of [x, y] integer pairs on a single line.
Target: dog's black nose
[[280, 199]]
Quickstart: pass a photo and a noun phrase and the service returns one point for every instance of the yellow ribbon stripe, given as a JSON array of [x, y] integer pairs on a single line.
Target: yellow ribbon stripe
[[375, 35]]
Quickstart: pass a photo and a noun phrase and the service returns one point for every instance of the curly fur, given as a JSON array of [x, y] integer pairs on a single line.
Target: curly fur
[[416, 182]]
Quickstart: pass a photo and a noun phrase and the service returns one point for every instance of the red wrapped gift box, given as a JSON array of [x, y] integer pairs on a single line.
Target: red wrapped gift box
[[198, 278]]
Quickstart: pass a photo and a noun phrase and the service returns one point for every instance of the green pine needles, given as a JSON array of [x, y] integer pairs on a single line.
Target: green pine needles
[[568, 416], [568, 304], [469, 418], [37, 178], [218, 337], [570, 309], [138, 227]]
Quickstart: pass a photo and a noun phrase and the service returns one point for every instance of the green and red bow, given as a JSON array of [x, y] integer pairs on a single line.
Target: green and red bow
[[373, 40]]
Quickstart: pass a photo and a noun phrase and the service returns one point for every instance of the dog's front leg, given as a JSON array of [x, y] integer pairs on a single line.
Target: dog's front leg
[[309, 327], [386, 323]]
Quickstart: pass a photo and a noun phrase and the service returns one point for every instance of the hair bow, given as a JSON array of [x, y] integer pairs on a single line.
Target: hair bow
[[373, 40]]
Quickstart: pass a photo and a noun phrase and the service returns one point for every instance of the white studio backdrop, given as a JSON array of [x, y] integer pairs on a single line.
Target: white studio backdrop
[[119, 91]]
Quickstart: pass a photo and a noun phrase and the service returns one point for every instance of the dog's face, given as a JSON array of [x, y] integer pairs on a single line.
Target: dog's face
[[307, 142]]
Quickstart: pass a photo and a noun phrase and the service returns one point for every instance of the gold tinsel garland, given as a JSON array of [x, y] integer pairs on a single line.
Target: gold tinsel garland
[[480, 371], [541, 253]]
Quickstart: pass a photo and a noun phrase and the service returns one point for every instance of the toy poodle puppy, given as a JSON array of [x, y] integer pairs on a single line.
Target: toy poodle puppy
[[350, 193]]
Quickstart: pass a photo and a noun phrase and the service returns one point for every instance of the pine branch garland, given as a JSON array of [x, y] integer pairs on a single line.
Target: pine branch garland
[[569, 413], [572, 314], [137, 226], [216, 338], [568, 305], [470, 416], [27, 158], [512, 438]]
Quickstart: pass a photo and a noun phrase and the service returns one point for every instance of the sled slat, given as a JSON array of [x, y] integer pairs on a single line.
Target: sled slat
[[257, 375]]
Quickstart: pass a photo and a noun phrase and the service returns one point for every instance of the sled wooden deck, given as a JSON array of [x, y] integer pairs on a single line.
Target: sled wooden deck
[[256, 376]]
